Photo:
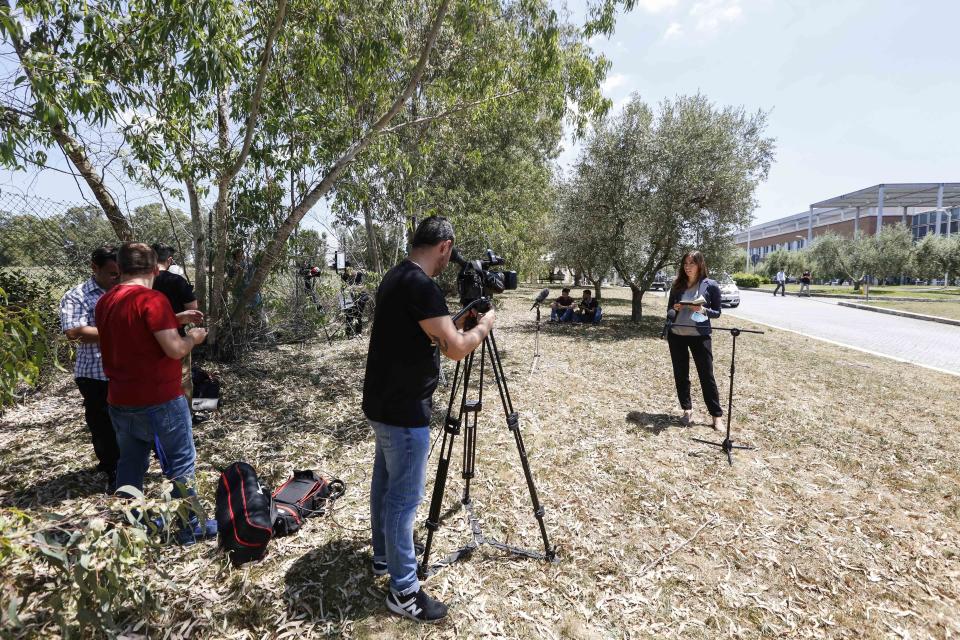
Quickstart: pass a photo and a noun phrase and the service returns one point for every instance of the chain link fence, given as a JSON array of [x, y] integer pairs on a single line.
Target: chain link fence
[[45, 248]]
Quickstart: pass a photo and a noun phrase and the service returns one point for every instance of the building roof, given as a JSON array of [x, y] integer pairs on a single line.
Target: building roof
[[905, 194]]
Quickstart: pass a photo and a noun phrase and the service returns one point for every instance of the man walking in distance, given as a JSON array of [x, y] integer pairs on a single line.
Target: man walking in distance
[[805, 282], [78, 323], [180, 294], [781, 280], [141, 355], [403, 366]]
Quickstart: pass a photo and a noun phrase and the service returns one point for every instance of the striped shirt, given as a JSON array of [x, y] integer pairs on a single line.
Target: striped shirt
[[76, 310]]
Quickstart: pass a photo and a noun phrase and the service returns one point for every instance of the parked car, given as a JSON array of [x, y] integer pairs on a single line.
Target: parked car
[[659, 283], [729, 292]]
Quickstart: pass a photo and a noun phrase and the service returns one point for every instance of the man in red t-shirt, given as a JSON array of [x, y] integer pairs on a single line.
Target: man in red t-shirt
[[141, 352]]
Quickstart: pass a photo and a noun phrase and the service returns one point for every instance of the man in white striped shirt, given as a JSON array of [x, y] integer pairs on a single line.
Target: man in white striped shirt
[[78, 323]]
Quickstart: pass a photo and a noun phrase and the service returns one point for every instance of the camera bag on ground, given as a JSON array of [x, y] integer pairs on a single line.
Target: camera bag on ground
[[245, 514], [303, 496], [206, 390]]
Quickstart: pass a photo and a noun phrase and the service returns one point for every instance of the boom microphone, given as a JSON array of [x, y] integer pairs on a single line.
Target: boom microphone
[[540, 298]]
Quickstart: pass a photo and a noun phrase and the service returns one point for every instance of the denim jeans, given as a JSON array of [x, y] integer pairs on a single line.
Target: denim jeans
[[169, 426], [396, 489], [561, 315]]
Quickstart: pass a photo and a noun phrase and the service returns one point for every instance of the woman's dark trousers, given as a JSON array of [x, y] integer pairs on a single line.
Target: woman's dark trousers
[[702, 350]]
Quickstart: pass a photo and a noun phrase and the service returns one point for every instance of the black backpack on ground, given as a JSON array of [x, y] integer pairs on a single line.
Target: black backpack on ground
[[303, 496], [245, 514]]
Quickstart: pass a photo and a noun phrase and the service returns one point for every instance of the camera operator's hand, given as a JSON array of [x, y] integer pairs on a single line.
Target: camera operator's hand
[[486, 320], [197, 334]]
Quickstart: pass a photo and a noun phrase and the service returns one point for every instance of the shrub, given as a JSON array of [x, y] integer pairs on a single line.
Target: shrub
[[746, 280]]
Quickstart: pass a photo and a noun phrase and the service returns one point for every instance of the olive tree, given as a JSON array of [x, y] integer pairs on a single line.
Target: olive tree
[[659, 183]]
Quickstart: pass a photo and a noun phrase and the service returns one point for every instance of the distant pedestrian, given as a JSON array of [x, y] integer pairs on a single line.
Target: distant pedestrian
[[781, 280], [805, 282]]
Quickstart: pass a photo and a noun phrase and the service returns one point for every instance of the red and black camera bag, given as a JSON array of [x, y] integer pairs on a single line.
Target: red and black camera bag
[[245, 514]]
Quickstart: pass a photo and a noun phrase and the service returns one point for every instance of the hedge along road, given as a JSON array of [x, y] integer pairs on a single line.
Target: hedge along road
[[928, 344]]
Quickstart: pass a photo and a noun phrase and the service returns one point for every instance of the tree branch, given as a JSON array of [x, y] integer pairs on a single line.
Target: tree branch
[[257, 98], [453, 110]]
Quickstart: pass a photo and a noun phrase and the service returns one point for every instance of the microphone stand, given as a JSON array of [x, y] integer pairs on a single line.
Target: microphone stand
[[536, 340], [727, 446]]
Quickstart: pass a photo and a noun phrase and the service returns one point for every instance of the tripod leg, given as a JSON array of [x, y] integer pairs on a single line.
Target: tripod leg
[[472, 409], [450, 430], [513, 423]]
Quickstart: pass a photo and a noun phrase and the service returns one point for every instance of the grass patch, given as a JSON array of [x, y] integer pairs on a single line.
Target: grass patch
[[842, 523], [939, 309]]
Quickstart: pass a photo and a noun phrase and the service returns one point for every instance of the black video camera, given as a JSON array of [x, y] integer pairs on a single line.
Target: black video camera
[[475, 279]]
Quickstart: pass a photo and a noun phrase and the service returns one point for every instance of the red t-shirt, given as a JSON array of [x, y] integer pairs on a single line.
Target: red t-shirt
[[140, 373]]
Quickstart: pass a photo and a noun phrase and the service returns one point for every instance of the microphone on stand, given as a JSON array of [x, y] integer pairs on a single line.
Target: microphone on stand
[[540, 298], [671, 318]]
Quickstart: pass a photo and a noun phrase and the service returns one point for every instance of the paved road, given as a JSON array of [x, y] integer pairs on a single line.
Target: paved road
[[925, 343]]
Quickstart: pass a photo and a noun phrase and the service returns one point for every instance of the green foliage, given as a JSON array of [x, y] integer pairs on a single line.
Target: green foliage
[[892, 252], [746, 280], [936, 256], [91, 576], [23, 347]]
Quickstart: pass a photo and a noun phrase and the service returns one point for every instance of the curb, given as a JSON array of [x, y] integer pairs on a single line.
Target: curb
[[904, 314]]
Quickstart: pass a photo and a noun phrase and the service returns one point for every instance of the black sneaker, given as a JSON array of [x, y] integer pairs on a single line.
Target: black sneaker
[[417, 606], [379, 568]]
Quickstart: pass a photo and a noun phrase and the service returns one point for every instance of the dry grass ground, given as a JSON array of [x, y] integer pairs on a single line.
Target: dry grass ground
[[843, 523], [939, 309]]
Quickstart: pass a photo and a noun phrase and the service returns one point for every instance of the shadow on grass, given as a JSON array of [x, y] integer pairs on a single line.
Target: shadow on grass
[[333, 583], [653, 423], [611, 329], [49, 492]]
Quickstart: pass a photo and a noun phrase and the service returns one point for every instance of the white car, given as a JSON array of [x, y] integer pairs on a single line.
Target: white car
[[729, 293]]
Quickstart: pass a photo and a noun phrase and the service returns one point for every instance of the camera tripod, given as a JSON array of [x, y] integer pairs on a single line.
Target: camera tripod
[[727, 445], [465, 415]]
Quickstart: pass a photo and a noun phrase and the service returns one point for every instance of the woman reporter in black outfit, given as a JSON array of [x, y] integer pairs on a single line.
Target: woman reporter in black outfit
[[691, 283]]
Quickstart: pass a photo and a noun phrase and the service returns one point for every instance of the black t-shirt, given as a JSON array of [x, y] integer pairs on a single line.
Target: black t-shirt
[[178, 291], [402, 364], [564, 301], [589, 306]]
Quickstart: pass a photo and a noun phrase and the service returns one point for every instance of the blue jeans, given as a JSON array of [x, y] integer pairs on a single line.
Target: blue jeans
[[396, 489], [169, 426], [561, 315]]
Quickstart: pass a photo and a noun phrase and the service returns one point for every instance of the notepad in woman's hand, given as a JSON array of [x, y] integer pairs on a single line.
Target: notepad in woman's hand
[[698, 302]]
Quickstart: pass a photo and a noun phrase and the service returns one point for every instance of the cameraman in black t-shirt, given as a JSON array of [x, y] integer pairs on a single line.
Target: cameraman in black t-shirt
[[410, 317]]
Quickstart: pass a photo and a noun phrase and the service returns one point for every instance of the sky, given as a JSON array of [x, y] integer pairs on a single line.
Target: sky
[[858, 92]]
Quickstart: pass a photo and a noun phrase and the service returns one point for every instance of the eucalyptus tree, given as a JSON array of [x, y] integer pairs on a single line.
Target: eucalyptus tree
[[657, 184]]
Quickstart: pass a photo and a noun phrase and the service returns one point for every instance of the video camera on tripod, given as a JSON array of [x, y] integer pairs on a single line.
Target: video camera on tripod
[[476, 280]]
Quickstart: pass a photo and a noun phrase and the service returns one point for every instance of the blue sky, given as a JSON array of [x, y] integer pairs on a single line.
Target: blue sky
[[859, 92]]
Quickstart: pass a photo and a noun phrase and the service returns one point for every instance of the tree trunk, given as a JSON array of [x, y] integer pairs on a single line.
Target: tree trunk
[[199, 246], [71, 147], [596, 289], [373, 245], [217, 302], [636, 303]]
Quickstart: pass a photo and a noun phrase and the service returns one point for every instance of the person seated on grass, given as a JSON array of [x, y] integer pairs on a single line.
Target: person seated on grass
[[587, 308], [561, 309]]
